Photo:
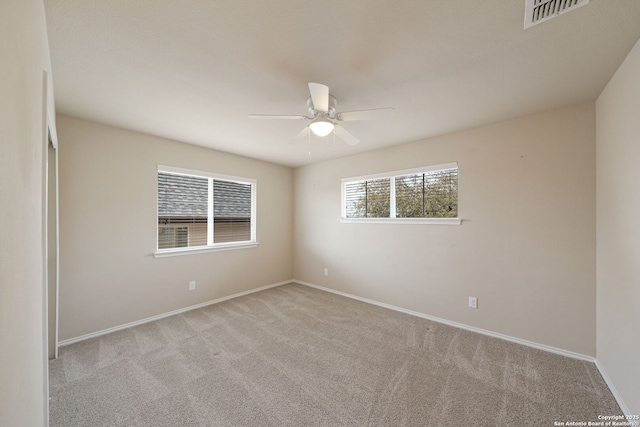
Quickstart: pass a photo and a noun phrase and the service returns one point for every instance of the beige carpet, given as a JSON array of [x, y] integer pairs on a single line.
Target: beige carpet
[[298, 356]]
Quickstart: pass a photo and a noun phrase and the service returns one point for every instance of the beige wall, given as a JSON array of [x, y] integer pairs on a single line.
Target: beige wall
[[526, 248], [618, 230], [108, 226], [25, 55]]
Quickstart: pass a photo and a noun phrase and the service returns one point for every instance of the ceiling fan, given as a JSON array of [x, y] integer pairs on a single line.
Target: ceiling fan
[[324, 117]]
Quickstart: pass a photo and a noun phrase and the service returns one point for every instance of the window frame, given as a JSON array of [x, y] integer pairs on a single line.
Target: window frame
[[159, 253], [392, 175]]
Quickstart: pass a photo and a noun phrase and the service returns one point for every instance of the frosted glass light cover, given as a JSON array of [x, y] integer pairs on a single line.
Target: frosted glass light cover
[[321, 127]]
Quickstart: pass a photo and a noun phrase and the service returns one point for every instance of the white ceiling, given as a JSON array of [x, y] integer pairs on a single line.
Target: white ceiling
[[192, 70]]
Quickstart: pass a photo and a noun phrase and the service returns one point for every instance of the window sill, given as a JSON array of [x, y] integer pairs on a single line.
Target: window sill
[[434, 221], [202, 249]]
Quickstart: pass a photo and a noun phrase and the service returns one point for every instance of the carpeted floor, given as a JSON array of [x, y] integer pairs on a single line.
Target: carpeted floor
[[298, 356]]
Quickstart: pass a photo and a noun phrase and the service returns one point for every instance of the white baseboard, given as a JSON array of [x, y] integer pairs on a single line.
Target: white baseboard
[[344, 294], [543, 347], [547, 348], [615, 393], [171, 313]]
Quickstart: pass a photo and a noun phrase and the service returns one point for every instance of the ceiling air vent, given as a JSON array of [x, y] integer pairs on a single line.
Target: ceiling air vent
[[537, 11]]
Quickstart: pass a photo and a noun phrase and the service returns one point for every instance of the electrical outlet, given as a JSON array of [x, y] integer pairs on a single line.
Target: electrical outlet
[[192, 285], [326, 271], [473, 302]]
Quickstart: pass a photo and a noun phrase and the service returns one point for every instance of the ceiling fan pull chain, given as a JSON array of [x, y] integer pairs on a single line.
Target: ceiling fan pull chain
[[309, 142], [334, 139]]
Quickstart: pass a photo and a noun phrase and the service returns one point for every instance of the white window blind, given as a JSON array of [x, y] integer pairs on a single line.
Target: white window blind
[[431, 194], [200, 211], [369, 198], [173, 237], [231, 211], [182, 207]]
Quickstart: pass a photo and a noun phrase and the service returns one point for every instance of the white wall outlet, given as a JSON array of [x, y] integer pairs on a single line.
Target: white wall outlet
[[326, 271], [192, 285], [473, 302]]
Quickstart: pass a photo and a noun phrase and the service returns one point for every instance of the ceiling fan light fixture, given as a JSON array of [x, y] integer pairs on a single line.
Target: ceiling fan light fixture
[[321, 127]]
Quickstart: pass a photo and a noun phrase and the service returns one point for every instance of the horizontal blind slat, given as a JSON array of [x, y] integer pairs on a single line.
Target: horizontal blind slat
[[180, 195]]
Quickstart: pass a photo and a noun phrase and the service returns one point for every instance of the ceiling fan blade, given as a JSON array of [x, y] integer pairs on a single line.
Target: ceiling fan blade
[[345, 135], [276, 116], [376, 114], [304, 133], [319, 96]]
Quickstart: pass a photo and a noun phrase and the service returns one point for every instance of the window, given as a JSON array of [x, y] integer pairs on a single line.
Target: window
[[425, 195], [200, 211], [368, 198]]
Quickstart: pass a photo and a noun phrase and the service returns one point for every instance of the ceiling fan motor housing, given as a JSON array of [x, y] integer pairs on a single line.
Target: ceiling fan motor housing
[[333, 105]]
